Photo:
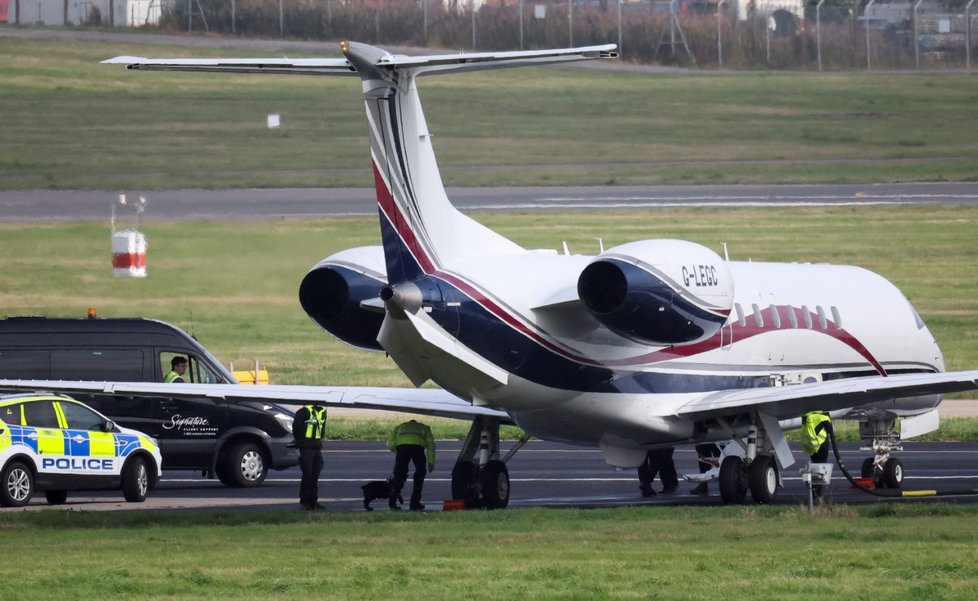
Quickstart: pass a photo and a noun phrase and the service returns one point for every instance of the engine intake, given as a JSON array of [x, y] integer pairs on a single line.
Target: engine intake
[[659, 291], [332, 292]]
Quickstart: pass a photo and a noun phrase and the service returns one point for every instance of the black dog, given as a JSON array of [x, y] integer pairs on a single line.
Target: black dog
[[377, 489]]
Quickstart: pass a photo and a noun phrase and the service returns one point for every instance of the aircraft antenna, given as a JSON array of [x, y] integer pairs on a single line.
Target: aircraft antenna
[[566, 250], [726, 255], [600, 246]]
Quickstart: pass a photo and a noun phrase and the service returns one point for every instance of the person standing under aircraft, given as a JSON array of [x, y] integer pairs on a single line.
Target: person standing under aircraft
[[658, 461], [706, 454], [815, 428], [178, 367], [309, 429], [411, 442]]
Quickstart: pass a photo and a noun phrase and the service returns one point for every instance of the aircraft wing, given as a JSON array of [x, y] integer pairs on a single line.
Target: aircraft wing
[[300, 66], [792, 401], [425, 401], [436, 63]]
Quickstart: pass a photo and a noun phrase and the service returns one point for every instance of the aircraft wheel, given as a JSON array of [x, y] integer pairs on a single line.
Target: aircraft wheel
[[733, 480], [465, 477], [763, 476], [868, 469], [495, 485], [893, 473]]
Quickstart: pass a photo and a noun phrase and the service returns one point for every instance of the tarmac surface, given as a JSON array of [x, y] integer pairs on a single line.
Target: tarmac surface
[[271, 204], [542, 474]]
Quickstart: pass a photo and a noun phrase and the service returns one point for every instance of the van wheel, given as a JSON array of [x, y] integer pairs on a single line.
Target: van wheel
[[135, 480], [56, 497], [245, 467], [16, 485]]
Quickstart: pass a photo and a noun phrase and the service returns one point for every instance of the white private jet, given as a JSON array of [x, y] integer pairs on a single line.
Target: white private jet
[[649, 344]]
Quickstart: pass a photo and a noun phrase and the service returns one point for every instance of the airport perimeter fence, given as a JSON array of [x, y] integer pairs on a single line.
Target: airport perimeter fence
[[731, 34]]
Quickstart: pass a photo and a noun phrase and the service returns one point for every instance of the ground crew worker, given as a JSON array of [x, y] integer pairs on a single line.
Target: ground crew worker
[[658, 461], [178, 366], [309, 430], [815, 427], [411, 442]]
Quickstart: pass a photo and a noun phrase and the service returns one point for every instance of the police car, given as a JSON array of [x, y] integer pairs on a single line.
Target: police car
[[53, 443]]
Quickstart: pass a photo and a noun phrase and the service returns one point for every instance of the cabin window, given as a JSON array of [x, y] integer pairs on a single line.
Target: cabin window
[[758, 318], [822, 323], [807, 316], [775, 317], [836, 317], [792, 317], [741, 318]]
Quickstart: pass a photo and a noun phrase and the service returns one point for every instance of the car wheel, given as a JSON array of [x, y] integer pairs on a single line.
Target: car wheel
[[135, 480], [56, 497], [17, 485], [246, 466]]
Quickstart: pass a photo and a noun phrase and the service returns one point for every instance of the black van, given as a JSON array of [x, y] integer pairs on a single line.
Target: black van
[[237, 442]]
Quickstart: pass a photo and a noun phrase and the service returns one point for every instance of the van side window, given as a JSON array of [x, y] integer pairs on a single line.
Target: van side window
[[202, 373], [197, 371], [25, 365], [40, 414], [88, 364], [80, 418]]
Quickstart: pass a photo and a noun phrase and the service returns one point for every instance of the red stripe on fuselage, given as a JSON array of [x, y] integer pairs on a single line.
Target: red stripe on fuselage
[[401, 225]]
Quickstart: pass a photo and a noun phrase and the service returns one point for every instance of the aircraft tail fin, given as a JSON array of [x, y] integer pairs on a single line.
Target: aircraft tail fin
[[421, 229]]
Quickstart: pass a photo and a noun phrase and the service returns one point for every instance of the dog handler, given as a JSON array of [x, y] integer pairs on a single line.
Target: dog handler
[[309, 429], [411, 442]]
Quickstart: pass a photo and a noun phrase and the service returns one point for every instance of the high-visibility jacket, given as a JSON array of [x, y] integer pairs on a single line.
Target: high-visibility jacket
[[813, 432], [311, 430], [171, 377], [413, 432]]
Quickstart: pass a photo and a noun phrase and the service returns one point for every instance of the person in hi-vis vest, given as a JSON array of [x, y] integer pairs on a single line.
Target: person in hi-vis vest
[[309, 429]]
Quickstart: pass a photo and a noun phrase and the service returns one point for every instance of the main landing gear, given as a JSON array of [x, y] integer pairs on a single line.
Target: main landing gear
[[480, 477], [881, 437], [757, 471]]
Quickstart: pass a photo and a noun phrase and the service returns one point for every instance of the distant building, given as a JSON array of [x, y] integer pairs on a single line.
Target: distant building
[[130, 13]]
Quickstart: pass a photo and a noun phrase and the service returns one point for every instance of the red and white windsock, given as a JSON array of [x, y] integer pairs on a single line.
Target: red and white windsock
[[129, 254]]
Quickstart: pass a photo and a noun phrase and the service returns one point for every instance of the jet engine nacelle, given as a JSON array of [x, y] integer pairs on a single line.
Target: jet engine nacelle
[[332, 292], [658, 291]]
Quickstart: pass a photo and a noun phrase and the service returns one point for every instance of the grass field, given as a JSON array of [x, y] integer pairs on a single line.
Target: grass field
[[868, 552], [234, 284], [72, 123]]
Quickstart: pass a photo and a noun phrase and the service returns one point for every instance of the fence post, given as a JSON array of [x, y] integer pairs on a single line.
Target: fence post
[[424, 19], [570, 22], [620, 51], [472, 4], [866, 23], [916, 45], [521, 23], [967, 35], [818, 32], [281, 19], [232, 18], [719, 41]]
